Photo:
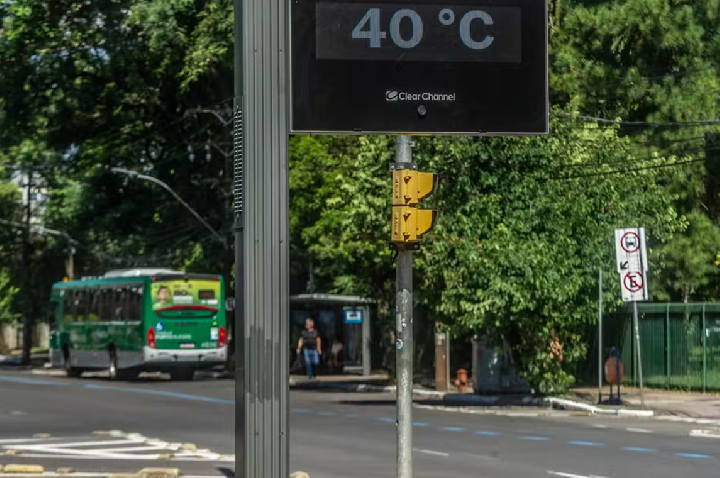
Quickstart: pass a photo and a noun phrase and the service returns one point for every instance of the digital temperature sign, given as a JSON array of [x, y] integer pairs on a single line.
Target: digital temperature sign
[[476, 67], [421, 33]]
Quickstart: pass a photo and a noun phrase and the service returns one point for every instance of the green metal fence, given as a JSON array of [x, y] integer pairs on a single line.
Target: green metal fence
[[679, 345]]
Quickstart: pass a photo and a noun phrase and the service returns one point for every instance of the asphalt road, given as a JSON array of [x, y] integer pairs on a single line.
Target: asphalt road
[[332, 435]]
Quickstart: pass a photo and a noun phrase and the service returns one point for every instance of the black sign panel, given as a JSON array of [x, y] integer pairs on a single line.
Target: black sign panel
[[468, 67]]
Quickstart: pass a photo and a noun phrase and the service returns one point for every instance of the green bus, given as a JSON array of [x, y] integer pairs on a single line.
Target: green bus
[[139, 320]]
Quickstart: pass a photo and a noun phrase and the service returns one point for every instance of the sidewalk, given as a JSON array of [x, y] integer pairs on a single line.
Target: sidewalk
[[661, 402], [380, 383], [37, 359]]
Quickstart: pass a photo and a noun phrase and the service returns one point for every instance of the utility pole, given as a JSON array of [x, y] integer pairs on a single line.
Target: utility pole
[[262, 130], [27, 273], [408, 226], [70, 265]]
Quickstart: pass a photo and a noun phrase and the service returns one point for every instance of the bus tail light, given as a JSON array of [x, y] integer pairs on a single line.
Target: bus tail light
[[151, 338], [222, 338]]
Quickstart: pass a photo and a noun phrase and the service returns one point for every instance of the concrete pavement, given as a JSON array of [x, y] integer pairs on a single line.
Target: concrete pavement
[[334, 435]]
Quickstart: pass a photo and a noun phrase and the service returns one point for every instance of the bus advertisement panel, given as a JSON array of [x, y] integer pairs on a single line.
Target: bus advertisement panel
[[178, 294]]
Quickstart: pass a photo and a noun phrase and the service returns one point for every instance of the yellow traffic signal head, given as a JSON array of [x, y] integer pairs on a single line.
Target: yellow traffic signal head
[[410, 186], [409, 223]]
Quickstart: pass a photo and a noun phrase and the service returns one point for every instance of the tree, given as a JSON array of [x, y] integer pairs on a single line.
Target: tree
[[526, 224]]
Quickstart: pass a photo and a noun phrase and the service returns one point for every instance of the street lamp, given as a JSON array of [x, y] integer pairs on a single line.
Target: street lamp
[[135, 174], [52, 232]]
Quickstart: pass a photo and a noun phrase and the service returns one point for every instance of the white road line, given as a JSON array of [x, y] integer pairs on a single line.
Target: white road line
[[95, 453], [705, 433], [130, 458], [90, 457], [572, 475], [431, 452], [79, 443], [597, 425], [639, 430], [136, 448], [202, 459], [79, 474], [23, 440]]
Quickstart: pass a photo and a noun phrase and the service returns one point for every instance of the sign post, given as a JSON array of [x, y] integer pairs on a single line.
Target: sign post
[[631, 259], [409, 67], [600, 349]]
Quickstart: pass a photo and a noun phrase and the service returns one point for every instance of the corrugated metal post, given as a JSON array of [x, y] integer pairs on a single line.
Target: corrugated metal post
[[239, 331], [704, 339], [404, 339], [600, 355], [667, 341], [264, 388]]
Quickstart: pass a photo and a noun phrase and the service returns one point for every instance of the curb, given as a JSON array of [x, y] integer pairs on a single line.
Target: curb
[[564, 404], [500, 412], [52, 372], [699, 421], [361, 388]]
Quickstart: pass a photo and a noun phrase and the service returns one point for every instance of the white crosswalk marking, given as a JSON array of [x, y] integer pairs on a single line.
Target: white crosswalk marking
[[136, 447]]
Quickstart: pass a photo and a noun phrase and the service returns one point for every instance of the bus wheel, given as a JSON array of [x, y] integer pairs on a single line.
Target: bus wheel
[[113, 371], [182, 375], [70, 371]]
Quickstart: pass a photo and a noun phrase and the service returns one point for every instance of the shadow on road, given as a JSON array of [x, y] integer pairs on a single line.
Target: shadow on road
[[227, 472]]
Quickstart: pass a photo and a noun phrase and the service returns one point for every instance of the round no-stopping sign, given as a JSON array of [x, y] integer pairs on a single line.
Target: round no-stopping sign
[[630, 242], [633, 281]]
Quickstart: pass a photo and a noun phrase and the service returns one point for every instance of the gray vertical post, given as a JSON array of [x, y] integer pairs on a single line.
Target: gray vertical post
[[27, 277], [366, 358], [447, 362], [637, 347], [239, 330], [600, 349], [404, 338], [265, 254]]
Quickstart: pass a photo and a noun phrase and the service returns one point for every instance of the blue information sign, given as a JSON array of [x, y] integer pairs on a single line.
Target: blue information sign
[[353, 316]]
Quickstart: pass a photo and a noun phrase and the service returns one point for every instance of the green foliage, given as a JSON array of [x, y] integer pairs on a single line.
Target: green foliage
[[525, 222]]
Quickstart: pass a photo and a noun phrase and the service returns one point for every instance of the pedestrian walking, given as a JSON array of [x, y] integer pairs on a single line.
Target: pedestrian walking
[[309, 343]]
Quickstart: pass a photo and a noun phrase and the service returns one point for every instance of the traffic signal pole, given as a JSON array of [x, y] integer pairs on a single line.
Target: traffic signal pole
[[404, 335], [409, 224]]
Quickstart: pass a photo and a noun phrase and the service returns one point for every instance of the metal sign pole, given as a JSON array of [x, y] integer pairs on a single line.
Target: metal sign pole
[[639, 359], [600, 349], [404, 339], [261, 70]]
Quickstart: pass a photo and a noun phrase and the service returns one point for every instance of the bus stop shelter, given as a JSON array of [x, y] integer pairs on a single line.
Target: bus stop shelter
[[345, 317]]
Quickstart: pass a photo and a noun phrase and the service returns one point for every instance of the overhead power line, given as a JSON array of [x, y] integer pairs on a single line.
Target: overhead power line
[[652, 124]]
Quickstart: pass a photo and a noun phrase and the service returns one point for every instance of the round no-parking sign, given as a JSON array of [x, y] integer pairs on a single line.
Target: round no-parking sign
[[633, 281]]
